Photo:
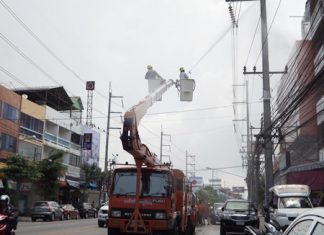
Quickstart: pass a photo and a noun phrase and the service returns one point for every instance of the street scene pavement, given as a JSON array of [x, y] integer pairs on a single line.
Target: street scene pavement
[[83, 227]]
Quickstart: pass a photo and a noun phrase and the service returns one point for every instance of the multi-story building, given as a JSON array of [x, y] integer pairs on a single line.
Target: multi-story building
[[34, 122], [9, 130], [62, 130], [9, 122], [302, 148]]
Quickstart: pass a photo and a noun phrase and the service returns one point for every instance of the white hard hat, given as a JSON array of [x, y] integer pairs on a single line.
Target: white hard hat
[[5, 198]]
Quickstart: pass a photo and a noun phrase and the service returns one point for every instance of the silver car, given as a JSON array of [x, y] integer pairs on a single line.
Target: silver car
[[46, 210]]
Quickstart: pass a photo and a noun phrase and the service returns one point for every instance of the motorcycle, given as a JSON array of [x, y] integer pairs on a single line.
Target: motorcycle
[[3, 225], [271, 228]]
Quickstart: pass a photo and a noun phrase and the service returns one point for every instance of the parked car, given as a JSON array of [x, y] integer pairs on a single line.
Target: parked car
[[310, 222], [103, 215], [46, 210], [216, 213], [236, 215], [70, 212], [86, 210]]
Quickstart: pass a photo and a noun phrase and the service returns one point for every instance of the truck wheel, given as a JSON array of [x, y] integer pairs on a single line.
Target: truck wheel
[[175, 231], [101, 224], [222, 230], [113, 231]]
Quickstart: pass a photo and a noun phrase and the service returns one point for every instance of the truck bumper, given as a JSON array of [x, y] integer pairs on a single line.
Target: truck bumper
[[150, 225]]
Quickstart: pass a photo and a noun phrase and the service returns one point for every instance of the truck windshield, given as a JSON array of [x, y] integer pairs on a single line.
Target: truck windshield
[[152, 184], [294, 202]]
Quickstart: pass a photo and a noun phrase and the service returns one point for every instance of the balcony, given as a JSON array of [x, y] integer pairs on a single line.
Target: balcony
[[62, 144]]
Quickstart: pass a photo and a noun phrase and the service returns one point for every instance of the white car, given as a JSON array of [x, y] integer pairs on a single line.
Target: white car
[[102, 215]]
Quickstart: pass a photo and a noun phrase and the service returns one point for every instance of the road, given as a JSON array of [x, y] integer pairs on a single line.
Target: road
[[83, 227]]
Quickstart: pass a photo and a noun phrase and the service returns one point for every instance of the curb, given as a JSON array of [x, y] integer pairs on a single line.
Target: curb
[[24, 219]]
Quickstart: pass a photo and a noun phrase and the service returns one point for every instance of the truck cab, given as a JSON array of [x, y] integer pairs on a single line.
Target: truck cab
[[287, 202]]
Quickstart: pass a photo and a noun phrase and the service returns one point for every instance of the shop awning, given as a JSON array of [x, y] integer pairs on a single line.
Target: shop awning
[[73, 184], [314, 179]]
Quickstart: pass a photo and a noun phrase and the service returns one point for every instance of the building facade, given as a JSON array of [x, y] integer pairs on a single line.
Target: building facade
[[34, 123], [301, 157]]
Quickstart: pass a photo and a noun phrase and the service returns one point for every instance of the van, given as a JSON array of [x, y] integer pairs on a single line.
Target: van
[[288, 201]]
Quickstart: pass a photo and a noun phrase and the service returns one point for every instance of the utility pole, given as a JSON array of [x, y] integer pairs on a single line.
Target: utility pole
[[193, 157], [266, 99], [266, 104], [248, 148], [108, 125]]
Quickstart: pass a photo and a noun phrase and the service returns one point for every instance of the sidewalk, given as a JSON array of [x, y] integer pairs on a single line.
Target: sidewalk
[[24, 219]]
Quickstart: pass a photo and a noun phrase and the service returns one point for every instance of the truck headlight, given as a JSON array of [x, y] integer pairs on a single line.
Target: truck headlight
[[160, 215], [115, 213]]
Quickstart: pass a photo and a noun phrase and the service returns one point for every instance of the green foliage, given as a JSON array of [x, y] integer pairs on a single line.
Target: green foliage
[[20, 169], [92, 173], [51, 169], [207, 195]]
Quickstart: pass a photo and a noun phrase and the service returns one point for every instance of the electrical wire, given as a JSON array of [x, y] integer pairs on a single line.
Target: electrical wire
[[51, 52]]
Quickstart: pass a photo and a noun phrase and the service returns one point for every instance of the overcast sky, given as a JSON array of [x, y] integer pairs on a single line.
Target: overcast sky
[[114, 40]]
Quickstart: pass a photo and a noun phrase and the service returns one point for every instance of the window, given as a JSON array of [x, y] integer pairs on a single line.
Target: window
[[319, 229], [8, 143], [152, 184], [10, 113], [295, 202], [300, 228], [74, 160], [31, 123], [237, 205]]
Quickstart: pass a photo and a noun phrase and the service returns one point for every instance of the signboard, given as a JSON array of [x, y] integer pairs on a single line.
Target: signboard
[[87, 141], [90, 85], [215, 180], [196, 181], [90, 149], [238, 189]]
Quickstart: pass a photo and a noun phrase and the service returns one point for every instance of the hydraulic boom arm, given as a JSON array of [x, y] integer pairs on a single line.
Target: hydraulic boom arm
[[130, 136]]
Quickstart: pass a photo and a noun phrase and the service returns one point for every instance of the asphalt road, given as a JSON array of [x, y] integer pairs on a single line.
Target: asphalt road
[[84, 227], [65, 227]]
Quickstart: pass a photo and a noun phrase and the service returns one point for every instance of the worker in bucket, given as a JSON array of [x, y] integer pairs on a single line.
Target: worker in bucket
[[152, 74], [183, 74]]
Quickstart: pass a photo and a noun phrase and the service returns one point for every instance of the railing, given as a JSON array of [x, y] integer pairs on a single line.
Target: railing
[[51, 138], [63, 142]]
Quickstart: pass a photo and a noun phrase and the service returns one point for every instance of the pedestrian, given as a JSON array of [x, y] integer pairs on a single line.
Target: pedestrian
[[183, 74], [152, 74]]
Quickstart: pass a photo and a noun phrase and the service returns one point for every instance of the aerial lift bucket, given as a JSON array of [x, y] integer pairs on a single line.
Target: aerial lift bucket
[[154, 84], [187, 86]]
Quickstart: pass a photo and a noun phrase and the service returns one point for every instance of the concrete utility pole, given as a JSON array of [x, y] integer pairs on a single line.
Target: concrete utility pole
[[250, 159], [190, 164], [108, 126], [266, 100], [266, 104]]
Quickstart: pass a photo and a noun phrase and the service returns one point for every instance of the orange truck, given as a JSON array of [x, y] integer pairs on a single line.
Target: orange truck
[[148, 197]]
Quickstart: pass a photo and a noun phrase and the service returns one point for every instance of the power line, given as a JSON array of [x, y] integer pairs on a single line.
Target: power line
[[51, 52]]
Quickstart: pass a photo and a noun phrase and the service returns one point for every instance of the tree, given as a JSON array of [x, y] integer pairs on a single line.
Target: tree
[[20, 169], [92, 175], [207, 195], [51, 169]]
